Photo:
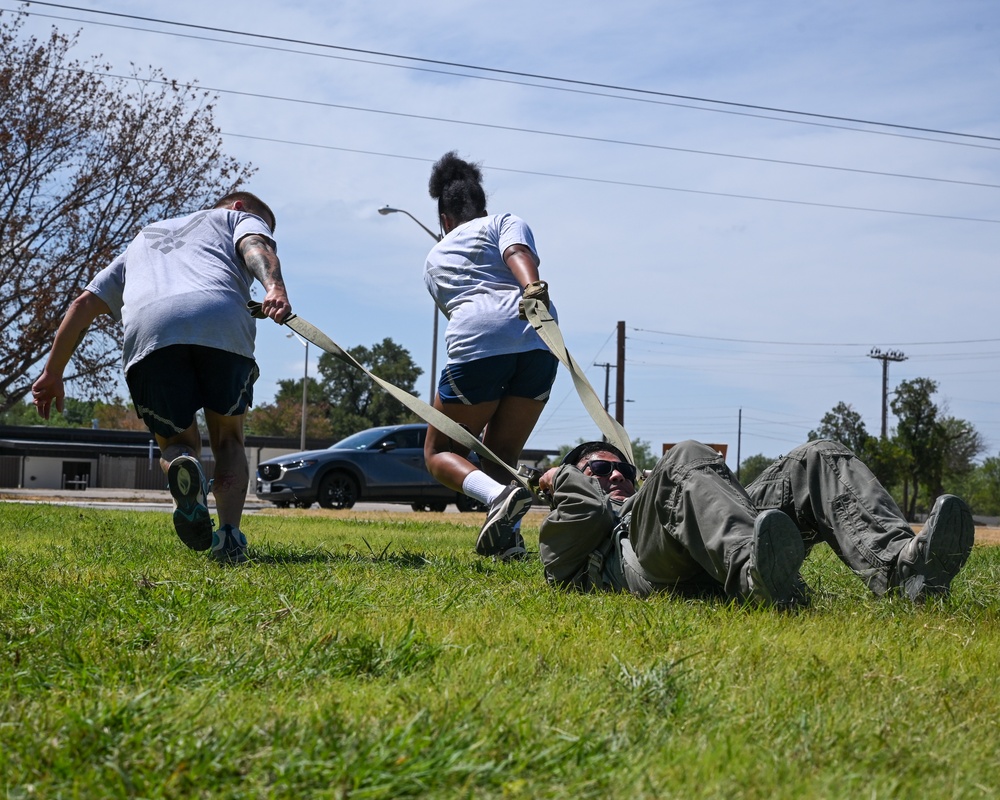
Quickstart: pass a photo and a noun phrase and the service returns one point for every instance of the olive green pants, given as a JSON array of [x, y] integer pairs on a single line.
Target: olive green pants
[[693, 521]]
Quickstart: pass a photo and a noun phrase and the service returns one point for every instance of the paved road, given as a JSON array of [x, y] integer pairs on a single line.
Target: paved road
[[148, 500]]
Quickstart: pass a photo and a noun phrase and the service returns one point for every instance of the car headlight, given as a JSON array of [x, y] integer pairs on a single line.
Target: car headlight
[[305, 462]]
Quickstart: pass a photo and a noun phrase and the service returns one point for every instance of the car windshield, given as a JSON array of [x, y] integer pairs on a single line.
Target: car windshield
[[360, 440]]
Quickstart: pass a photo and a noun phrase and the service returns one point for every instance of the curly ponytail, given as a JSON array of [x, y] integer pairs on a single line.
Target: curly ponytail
[[457, 185]]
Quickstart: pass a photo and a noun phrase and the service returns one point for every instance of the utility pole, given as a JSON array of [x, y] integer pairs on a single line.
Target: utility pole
[[620, 382], [739, 443], [885, 358], [607, 379]]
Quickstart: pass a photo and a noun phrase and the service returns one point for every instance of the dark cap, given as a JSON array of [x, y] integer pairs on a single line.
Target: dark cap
[[575, 455]]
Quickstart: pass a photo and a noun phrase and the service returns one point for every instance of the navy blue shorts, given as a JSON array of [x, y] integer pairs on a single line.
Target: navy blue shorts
[[169, 386], [529, 374]]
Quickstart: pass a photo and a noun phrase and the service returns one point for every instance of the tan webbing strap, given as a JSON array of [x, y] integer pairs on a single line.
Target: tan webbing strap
[[543, 323], [428, 413]]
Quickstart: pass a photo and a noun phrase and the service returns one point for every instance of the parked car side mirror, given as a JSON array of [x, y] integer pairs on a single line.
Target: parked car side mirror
[[385, 447]]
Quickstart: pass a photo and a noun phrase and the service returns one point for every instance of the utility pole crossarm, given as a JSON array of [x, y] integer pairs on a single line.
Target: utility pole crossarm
[[885, 358]]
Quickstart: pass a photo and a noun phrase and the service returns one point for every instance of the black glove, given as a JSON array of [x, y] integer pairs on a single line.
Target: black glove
[[536, 290]]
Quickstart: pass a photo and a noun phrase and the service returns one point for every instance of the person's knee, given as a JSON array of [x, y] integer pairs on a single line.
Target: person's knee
[[225, 432], [818, 448], [690, 450]]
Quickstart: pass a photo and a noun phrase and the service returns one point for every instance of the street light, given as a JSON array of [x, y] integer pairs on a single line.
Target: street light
[[434, 346], [305, 386]]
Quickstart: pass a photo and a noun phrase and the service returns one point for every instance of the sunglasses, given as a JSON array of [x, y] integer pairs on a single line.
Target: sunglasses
[[602, 469]]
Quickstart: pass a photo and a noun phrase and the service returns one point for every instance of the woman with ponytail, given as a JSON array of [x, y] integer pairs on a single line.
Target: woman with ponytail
[[499, 372]]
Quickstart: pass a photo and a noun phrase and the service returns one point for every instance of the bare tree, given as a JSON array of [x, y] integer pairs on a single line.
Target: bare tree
[[86, 160]]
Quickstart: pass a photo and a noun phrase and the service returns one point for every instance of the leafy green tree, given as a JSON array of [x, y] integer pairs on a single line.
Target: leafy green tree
[[23, 413], [888, 460], [79, 413], [919, 434], [289, 389], [283, 417], [980, 487], [113, 414], [962, 445], [843, 424], [116, 415], [76, 414], [86, 160], [752, 466], [645, 458], [356, 401]]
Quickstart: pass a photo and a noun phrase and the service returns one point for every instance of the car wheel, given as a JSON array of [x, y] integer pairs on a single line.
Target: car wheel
[[437, 506], [338, 490], [417, 506], [465, 504], [303, 504]]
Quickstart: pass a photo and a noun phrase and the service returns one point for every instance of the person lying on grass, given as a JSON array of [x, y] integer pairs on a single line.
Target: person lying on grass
[[692, 526]]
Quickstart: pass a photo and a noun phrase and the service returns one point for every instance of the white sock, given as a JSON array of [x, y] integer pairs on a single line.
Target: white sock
[[480, 486]]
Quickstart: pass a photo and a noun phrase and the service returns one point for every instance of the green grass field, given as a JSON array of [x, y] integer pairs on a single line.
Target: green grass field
[[375, 656]]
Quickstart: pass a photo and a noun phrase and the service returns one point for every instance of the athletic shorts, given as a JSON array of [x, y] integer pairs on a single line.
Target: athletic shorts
[[169, 386], [484, 380]]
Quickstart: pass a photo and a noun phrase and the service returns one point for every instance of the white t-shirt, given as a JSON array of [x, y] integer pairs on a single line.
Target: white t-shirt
[[182, 281], [468, 279]]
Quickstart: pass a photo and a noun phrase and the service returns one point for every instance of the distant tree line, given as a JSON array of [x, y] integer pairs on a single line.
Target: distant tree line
[[341, 401], [114, 414], [927, 454]]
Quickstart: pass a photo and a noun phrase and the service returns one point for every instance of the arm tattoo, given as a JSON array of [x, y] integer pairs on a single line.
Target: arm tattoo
[[261, 259]]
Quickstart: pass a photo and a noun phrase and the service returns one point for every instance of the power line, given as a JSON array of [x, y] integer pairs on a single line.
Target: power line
[[574, 136], [633, 185], [516, 73], [511, 82], [605, 140], [812, 344]]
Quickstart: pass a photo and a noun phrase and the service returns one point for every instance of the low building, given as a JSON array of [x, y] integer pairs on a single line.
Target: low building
[[44, 457]]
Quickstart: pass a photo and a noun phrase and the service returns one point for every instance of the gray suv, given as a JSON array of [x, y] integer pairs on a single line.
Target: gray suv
[[380, 464]]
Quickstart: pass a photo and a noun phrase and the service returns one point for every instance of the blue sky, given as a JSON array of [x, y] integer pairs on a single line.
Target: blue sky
[[755, 256]]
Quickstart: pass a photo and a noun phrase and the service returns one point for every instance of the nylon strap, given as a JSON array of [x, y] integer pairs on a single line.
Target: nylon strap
[[545, 326], [426, 412]]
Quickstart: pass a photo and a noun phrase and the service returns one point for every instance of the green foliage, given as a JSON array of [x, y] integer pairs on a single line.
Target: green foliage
[[645, 458], [291, 390], [77, 414], [357, 402], [376, 656], [113, 414], [24, 413], [980, 487], [887, 459], [283, 417], [843, 424], [752, 466]]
